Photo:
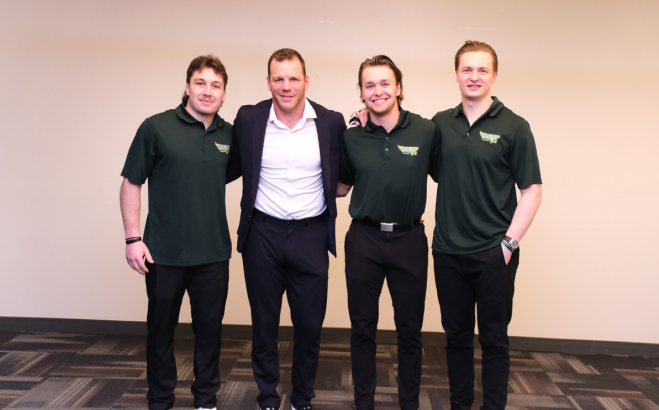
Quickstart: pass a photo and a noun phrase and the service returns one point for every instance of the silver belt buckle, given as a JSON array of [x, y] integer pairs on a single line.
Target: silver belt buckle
[[386, 226]]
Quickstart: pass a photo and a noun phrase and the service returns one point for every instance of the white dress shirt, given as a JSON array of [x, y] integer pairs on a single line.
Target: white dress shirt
[[291, 181]]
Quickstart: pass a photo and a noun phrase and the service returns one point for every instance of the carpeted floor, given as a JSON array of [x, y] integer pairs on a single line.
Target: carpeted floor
[[52, 370]]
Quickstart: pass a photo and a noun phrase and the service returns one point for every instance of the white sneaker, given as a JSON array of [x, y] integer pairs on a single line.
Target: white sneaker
[[204, 408]]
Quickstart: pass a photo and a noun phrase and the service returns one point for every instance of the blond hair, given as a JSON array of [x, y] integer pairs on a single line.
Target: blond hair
[[473, 46]]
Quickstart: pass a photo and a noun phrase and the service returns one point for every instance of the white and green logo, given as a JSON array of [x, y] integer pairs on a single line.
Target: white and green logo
[[492, 138], [412, 151], [222, 148]]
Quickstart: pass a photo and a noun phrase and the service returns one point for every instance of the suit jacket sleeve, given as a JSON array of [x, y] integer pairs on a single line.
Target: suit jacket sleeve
[[234, 168]]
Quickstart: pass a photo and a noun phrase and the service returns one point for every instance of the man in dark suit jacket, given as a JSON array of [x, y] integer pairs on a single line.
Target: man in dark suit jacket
[[287, 151]]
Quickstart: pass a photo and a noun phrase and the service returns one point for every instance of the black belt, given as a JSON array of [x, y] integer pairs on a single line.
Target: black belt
[[288, 222], [390, 227]]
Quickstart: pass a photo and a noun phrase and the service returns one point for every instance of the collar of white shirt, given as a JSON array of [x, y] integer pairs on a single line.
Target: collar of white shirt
[[309, 113]]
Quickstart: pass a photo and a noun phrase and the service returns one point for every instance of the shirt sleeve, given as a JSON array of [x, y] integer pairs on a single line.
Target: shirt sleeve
[[436, 154], [346, 170], [523, 157], [141, 154]]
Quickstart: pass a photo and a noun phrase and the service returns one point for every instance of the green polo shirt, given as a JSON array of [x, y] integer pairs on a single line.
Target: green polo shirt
[[389, 171], [481, 163], [186, 168]]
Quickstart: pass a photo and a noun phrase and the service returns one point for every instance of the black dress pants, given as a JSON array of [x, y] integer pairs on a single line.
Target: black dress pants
[[482, 282], [207, 287], [402, 259], [286, 256]]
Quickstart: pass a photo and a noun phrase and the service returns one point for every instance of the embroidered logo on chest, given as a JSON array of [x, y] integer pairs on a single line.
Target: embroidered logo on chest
[[412, 151], [222, 148], [492, 138]]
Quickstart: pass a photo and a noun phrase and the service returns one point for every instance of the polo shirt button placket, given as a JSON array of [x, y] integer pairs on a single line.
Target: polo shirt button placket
[[386, 147]]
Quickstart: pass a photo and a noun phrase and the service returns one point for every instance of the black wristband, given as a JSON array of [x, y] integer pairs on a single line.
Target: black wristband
[[133, 240]]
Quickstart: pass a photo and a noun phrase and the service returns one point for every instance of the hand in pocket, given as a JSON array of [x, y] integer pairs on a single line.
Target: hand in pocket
[[506, 253]]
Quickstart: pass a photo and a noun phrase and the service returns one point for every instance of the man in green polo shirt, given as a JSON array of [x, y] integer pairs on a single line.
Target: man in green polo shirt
[[388, 162], [486, 150], [183, 153]]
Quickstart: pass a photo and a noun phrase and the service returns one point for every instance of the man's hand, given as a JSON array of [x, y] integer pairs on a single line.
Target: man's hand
[[342, 189], [358, 118], [506, 253], [363, 116], [135, 254]]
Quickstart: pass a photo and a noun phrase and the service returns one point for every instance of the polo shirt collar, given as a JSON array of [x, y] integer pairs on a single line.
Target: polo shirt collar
[[403, 121], [183, 114], [492, 111], [309, 113]]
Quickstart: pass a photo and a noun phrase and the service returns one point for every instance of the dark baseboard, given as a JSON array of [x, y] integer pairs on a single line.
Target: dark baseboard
[[338, 335]]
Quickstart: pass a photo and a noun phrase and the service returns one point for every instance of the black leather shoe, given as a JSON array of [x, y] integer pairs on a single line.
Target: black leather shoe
[[460, 406]]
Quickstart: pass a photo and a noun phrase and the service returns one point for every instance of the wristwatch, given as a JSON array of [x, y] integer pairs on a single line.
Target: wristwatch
[[511, 242]]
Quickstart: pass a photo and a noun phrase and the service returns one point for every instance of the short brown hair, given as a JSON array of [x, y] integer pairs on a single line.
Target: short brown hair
[[471, 46], [201, 62], [385, 61], [287, 54]]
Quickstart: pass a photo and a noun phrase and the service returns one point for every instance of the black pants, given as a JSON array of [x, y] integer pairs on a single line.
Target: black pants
[[207, 287], [288, 256], [480, 279], [402, 259]]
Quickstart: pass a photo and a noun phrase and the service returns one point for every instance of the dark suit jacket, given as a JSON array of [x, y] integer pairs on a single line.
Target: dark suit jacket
[[247, 151]]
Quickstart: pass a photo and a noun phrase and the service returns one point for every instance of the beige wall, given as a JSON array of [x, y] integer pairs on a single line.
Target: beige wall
[[78, 77]]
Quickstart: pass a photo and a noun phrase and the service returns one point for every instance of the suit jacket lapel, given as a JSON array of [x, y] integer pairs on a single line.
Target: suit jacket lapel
[[258, 138]]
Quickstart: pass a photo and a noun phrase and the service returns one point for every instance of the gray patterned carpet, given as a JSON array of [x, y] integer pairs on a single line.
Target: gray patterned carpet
[[52, 370]]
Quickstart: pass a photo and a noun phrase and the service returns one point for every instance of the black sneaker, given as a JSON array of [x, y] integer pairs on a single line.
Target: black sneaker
[[300, 408]]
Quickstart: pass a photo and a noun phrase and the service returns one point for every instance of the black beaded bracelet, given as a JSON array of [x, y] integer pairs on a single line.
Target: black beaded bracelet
[[133, 240]]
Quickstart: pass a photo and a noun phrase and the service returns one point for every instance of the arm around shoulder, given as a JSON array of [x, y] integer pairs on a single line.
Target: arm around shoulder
[[435, 154], [240, 127], [234, 167]]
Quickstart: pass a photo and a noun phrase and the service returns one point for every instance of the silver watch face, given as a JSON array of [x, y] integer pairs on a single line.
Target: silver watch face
[[514, 244]]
